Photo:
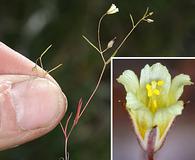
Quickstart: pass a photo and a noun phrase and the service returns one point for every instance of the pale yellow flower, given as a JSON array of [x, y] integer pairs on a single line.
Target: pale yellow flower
[[153, 102]]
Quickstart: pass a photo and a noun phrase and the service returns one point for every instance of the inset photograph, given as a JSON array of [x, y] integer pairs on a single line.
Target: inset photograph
[[153, 108]]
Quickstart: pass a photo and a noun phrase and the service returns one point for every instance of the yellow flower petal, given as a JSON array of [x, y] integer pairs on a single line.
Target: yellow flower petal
[[177, 86], [153, 102], [129, 80]]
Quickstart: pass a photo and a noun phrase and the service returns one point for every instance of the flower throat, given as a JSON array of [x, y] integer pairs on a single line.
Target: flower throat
[[153, 91]]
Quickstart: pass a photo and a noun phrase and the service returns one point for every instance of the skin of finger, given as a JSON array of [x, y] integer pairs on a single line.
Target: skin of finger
[[14, 63]]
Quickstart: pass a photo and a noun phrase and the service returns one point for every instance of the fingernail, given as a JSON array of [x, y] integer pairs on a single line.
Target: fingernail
[[37, 103]]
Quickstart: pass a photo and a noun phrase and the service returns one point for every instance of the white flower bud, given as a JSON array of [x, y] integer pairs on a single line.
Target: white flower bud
[[110, 43], [151, 13], [149, 20], [113, 9]]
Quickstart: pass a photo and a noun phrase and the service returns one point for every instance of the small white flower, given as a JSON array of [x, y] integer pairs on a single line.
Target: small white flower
[[113, 9]]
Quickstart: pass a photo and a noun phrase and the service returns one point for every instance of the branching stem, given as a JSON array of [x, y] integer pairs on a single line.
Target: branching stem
[[101, 51], [129, 33]]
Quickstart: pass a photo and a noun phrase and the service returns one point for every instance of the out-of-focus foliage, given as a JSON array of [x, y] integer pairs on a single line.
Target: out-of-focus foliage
[[30, 26]]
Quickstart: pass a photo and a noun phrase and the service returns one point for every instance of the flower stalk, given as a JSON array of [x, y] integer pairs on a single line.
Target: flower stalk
[[151, 143], [134, 26]]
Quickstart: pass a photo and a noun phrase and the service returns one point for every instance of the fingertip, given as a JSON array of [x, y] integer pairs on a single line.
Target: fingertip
[[38, 104]]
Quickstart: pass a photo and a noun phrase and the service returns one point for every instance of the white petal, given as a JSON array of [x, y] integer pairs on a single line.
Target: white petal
[[176, 109], [113, 9], [156, 72], [163, 119], [177, 86], [129, 80], [144, 117], [145, 76], [164, 114], [132, 102], [142, 122], [161, 116]]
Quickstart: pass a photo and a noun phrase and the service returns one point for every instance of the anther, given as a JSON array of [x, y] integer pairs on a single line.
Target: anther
[[160, 83]]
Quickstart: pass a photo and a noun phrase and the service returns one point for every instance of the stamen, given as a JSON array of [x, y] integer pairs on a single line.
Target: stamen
[[156, 92], [154, 103], [153, 90], [160, 83], [154, 106], [148, 86], [153, 84], [150, 93]]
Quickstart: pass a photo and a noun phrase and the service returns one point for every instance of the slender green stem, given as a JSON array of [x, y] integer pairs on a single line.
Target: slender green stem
[[98, 32], [105, 50], [91, 44], [66, 156], [126, 37], [94, 48], [40, 58], [132, 20], [59, 65]]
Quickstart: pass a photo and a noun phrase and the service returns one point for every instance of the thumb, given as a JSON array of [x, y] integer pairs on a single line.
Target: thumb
[[30, 105]]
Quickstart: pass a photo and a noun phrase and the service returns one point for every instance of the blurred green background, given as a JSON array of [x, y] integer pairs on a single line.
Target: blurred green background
[[31, 26]]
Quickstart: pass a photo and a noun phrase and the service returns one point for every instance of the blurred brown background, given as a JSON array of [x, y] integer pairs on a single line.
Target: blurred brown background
[[180, 142]]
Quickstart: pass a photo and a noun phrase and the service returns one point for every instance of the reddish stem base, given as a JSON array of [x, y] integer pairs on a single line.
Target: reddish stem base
[[150, 157]]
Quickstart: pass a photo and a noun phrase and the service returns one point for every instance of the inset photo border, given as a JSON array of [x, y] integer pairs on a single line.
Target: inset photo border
[[152, 108]]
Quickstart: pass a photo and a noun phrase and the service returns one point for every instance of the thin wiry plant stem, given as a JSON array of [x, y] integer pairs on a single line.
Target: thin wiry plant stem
[[66, 150], [94, 91], [105, 50], [98, 32], [91, 43], [56, 67], [132, 20], [128, 34], [67, 135], [41, 63], [40, 58], [80, 111], [94, 48]]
